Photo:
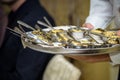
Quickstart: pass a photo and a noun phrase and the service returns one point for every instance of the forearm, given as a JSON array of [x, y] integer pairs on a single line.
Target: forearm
[[92, 59]]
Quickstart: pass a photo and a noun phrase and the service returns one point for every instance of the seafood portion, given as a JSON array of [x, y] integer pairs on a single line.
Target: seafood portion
[[73, 37]]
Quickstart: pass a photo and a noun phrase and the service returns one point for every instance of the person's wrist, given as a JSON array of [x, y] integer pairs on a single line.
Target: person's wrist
[[118, 32]]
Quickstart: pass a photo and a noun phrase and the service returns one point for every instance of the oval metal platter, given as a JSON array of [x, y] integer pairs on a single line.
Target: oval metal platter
[[70, 51]]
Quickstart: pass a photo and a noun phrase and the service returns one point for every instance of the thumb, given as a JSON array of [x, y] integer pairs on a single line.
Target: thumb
[[88, 25], [118, 32]]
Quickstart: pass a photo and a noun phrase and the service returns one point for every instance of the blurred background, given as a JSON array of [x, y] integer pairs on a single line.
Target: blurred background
[[67, 12]]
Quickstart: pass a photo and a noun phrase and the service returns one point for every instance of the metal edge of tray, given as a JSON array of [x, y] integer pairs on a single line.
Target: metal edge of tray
[[71, 51]]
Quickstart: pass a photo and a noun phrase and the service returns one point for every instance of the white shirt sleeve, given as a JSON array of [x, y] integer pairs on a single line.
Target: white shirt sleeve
[[115, 58], [100, 13]]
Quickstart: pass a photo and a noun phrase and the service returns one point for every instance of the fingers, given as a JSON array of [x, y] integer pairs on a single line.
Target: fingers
[[88, 25], [118, 32]]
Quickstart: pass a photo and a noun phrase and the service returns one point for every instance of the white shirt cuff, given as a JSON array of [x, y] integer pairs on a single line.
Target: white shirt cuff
[[115, 58]]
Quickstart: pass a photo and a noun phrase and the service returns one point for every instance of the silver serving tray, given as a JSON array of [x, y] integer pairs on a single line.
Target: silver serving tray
[[70, 51]]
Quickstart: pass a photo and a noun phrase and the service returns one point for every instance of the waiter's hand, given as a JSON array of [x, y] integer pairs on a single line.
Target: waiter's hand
[[118, 32], [88, 25], [93, 58]]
